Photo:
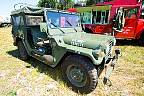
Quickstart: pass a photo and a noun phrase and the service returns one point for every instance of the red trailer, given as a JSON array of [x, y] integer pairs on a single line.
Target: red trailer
[[123, 19]]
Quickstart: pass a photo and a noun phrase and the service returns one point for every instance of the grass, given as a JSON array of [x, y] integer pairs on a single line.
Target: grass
[[32, 78]]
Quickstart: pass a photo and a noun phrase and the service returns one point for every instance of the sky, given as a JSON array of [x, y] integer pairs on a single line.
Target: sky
[[6, 6]]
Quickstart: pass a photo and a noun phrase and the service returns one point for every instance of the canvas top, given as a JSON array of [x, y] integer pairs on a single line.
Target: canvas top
[[29, 10]]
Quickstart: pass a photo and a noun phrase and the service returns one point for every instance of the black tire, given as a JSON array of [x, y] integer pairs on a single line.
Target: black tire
[[22, 51], [80, 73]]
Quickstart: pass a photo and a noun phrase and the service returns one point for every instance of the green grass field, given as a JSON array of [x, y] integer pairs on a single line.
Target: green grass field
[[32, 78]]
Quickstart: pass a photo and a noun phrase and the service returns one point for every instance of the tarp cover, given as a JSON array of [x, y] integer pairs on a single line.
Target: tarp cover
[[31, 10]]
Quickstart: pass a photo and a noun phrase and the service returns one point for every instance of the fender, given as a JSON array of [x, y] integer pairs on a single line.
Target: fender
[[85, 52], [61, 51]]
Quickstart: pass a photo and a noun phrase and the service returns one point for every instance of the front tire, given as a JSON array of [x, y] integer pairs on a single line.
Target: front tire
[[80, 73], [22, 51]]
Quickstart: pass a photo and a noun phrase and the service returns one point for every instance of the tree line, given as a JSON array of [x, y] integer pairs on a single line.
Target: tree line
[[63, 4]]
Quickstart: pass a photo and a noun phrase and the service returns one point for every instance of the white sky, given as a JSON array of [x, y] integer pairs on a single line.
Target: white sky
[[6, 6]]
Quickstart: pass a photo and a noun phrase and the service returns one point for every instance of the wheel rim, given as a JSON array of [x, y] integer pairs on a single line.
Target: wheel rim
[[76, 76]]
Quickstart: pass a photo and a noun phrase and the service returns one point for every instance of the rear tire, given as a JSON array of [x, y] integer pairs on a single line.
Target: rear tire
[[22, 51], [80, 73]]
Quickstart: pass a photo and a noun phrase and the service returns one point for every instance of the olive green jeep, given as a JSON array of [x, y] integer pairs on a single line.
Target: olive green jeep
[[55, 37]]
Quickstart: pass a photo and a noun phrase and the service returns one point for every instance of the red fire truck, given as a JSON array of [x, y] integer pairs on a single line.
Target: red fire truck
[[121, 18]]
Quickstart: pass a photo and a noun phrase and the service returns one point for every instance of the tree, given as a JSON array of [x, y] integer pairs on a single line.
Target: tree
[[47, 3], [62, 4], [90, 2]]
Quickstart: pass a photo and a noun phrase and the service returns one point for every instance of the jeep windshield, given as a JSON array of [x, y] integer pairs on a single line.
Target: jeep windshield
[[62, 19], [62, 22]]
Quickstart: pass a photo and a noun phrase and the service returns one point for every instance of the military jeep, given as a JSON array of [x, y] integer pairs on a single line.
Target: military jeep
[[56, 37]]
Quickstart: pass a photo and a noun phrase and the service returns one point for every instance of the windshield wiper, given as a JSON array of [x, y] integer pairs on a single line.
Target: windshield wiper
[[57, 27], [71, 25]]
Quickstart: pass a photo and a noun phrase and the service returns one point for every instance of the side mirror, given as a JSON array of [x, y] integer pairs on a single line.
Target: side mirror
[[43, 27]]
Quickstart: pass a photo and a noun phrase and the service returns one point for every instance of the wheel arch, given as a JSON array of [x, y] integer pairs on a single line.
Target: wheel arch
[[140, 34], [99, 67], [141, 38], [74, 54]]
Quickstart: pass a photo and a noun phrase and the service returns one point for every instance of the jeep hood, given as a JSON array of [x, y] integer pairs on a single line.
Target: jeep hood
[[86, 40]]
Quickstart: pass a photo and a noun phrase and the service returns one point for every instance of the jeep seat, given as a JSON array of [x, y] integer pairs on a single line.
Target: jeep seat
[[42, 43], [39, 38]]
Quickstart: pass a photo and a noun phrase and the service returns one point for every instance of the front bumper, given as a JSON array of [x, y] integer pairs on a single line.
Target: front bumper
[[110, 67]]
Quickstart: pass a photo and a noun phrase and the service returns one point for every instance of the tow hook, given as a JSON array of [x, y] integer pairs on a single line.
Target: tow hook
[[110, 67]]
